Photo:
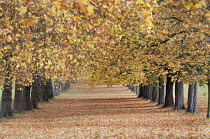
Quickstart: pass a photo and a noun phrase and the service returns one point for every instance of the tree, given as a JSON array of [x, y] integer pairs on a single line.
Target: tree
[[140, 94], [192, 106], [50, 88], [26, 102], [208, 111], [18, 97], [6, 100], [56, 90], [161, 91], [103, 42], [155, 93], [44, 90], [179, 95], [169, 102], [34, 93]]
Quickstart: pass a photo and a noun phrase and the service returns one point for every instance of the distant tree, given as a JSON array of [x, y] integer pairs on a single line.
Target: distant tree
[[18, 97], [208, 111], [161, 91], [169, 102], [26, 102]]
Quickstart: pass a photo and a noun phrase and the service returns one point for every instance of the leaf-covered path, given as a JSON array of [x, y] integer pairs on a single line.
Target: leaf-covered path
[[104, 112]]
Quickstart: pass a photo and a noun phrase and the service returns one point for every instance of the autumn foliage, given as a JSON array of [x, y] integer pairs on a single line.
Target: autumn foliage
[[119, 42]]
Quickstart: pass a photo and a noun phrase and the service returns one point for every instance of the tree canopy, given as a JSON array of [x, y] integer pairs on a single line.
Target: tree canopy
[[105, 42]]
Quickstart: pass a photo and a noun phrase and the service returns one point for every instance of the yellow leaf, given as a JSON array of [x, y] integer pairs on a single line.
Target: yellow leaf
[[22, 10], [90, 10], [57, 5], [53, 10], [83, 1], [24, 1], [197, 6], [71, 57], [201, 36], [164, 31], [201, 4], [189, 5]]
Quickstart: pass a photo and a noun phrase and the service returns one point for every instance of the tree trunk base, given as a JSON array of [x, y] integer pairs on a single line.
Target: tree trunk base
[[180, 108], [167, 106]]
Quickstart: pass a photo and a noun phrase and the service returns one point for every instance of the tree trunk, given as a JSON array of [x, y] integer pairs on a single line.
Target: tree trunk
[[143, 91], [66, 86], [69, 84], [140, 94], [56, 91], [155, 94], [63, 87], [45, 91], [161, 91], [132, 87], [136, 90], [26, 102], [169, 102], [146, 96], [6, 100], [193, 98], [39, 88], [179, 95], [208, 111], [149, 91], [50, 89], [34, 93], [18, 98]]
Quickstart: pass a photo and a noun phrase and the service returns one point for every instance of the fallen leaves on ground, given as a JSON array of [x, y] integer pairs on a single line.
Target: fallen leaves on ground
[[105, 112]]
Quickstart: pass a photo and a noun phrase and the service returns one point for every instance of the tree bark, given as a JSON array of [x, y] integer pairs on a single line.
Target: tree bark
[[26, 102], [6, 100], [50, 89], [45, 91], [169, 102], [140, 94], [179, 95], [192, 106], [161, 91], [34, 93], [208, 111], [39, 88], [143, 91], [155, 93], [63, 87], [131, 87], [56, 91], [146, 96], [149, 91], [18, 98], [136, 90], [66, 86]]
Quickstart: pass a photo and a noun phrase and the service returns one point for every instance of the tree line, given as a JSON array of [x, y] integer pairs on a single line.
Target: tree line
[[135, 42], [28, 96]]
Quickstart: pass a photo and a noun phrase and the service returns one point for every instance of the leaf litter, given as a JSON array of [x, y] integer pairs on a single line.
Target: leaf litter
[[104, 112]]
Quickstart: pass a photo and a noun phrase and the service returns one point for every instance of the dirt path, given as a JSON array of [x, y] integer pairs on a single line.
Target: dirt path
[[113, 113]]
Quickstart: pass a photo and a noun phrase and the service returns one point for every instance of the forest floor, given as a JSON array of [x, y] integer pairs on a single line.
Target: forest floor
[[104, 112]]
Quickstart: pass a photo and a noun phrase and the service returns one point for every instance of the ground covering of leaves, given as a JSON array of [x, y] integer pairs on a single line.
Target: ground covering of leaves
[[111, 113]]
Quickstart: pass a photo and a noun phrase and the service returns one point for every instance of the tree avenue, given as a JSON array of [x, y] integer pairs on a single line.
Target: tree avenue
[[140, 43]]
